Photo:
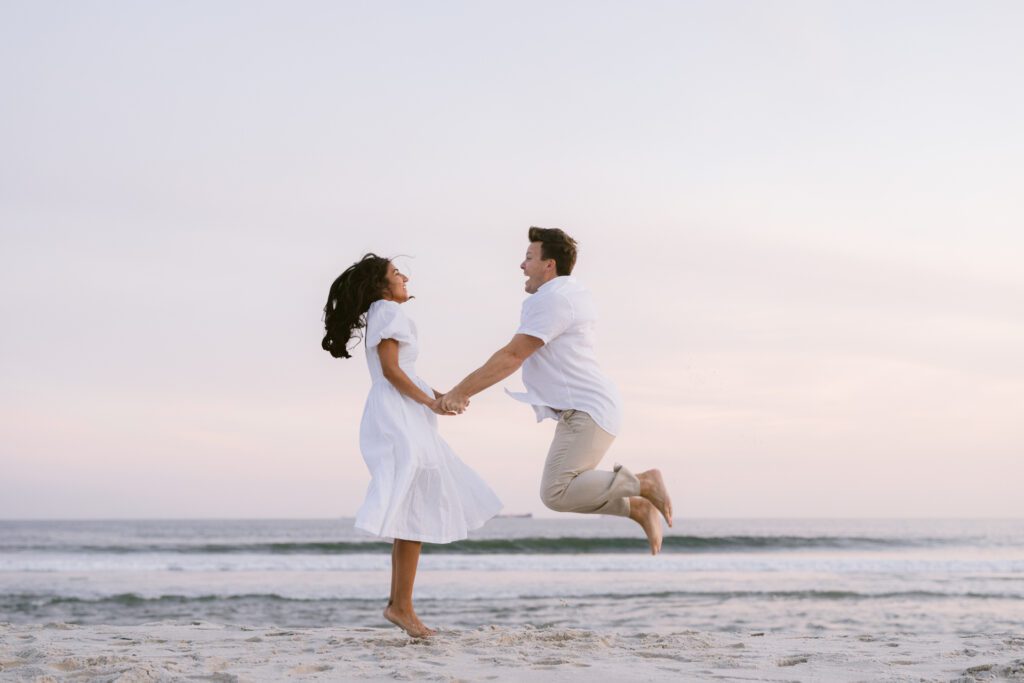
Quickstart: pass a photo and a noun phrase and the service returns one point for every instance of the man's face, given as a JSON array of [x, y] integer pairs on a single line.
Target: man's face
[[537, 270]]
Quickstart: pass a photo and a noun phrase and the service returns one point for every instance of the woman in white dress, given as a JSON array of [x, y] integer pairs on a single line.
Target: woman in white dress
[[419, 489]]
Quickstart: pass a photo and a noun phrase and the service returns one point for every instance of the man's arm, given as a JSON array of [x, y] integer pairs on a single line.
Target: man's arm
[[503, 363]]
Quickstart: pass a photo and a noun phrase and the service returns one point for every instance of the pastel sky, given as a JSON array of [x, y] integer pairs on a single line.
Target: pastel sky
[[802, 223]]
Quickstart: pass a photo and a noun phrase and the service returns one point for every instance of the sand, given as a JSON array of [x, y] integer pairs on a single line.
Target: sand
[[215, 652]]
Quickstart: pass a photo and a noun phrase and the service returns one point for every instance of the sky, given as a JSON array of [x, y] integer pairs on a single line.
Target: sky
[[801, 222]]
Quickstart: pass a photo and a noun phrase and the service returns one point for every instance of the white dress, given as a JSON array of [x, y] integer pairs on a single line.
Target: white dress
[[419, 489]]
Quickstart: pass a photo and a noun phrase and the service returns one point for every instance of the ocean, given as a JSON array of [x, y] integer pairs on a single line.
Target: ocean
[[725, 575]]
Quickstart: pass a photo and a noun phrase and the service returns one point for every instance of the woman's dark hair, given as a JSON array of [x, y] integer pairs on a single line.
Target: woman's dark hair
[[350, 297], [555, 244]]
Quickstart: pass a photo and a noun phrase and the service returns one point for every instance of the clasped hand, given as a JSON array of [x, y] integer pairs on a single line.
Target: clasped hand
[[450, 404]]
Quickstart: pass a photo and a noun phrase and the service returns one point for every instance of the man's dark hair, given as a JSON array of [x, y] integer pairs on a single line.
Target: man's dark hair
[[555, 244]]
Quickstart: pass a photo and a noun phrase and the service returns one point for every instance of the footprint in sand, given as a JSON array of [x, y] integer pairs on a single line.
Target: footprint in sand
[[10, 664], [311, 668], [981, 668], [550, 661], [68, 665]]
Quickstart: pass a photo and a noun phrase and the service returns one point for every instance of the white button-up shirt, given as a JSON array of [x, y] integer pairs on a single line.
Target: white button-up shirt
[[564, 374]]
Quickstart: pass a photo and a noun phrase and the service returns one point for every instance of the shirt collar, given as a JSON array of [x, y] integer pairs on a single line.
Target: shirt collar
[[556, 283]]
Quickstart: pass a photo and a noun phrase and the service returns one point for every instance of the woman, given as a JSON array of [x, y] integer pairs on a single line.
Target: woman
[[419, 489]]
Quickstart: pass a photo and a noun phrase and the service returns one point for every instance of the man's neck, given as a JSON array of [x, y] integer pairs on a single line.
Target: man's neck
[[549, 281]]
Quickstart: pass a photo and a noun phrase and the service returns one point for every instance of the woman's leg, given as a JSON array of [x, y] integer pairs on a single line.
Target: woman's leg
[[394, 570], [400, 612]]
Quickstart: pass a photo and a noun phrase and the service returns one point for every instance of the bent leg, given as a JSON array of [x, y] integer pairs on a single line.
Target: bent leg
[[570, 482]]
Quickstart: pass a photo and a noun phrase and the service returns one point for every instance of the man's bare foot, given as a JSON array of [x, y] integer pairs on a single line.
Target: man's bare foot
[[652, 487], [408, 622], [646, 515]]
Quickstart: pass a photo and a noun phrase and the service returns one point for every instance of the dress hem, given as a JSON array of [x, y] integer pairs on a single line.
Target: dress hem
[[391, 534]]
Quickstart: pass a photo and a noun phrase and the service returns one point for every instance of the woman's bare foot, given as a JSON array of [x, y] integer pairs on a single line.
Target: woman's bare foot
[[652, 487], [408, 622], [646, 515]]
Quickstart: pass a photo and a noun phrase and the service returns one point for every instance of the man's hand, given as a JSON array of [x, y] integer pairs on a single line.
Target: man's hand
[[454, 402], [437, 407]]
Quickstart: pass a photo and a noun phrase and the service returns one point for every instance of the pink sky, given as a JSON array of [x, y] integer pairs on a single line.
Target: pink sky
[[801, 223]]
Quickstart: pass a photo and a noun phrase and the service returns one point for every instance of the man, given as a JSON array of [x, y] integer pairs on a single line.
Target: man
[[555, 347]]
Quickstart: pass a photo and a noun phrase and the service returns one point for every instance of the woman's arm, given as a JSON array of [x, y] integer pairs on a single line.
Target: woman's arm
[[388, 352]]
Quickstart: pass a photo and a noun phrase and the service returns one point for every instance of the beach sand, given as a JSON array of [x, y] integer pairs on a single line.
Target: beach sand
[[208, 651]]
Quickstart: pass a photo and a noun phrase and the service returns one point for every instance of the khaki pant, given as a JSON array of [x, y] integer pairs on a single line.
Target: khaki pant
[[570, 482]]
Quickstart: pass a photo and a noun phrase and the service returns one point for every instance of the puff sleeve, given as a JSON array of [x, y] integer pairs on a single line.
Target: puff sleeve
[[385, 320]]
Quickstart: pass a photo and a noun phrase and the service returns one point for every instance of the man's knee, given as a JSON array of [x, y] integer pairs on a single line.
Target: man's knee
[[554, 499]]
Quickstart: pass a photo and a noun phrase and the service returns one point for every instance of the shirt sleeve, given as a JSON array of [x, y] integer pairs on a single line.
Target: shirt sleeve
[[545, 318], [386, 321]]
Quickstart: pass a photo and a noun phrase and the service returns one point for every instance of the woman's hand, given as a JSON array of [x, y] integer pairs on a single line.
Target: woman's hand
[[436, 406], [454, 401]]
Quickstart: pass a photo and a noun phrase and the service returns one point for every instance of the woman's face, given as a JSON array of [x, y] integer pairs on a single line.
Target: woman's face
[[396, 289]]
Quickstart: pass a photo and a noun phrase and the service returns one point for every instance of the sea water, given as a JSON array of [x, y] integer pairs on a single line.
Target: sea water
[[839, 576]]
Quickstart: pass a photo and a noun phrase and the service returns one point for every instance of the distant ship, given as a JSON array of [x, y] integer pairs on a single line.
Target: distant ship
[[525, 515]]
